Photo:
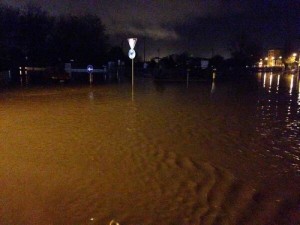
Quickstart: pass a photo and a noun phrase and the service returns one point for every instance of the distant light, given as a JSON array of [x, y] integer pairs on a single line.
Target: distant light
[[294, 54], [280, 57], [273, 57], [266, 58]]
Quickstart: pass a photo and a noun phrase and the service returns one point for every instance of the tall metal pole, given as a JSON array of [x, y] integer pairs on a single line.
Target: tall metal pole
[[132, 80]]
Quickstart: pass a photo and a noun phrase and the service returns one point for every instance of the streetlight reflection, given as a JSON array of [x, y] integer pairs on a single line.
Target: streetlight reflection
[[291, 85], [213, 88], [271, 79], [278, 81]]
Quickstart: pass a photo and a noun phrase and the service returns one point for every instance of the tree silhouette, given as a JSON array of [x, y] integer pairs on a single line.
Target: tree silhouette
[[80, 38], [34, 34], [31, 37], [9, 26], [244, 51]]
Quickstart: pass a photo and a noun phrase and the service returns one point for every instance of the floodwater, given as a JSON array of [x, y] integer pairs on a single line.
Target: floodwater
[[206, 153]]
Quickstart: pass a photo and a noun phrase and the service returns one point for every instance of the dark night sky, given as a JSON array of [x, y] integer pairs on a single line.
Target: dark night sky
[[195, 26]]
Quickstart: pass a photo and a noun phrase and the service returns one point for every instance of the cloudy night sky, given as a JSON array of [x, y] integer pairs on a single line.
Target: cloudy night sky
[[201, 28]]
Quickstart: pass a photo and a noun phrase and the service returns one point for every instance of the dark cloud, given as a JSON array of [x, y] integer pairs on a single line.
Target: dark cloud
[[197, 26]]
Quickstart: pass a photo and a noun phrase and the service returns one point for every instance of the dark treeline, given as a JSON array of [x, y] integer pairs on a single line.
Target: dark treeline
[[32, 37]]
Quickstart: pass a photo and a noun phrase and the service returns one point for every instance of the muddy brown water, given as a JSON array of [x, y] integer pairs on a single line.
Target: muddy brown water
[[206, 153]]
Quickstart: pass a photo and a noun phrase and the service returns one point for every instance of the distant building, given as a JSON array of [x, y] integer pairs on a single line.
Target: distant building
[[274, 58]]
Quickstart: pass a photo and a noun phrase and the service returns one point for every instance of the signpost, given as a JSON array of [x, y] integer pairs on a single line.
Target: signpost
[[90, 69], [131, 55]]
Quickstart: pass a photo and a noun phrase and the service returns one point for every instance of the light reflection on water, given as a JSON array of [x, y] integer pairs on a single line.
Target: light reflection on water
[[278, 110]]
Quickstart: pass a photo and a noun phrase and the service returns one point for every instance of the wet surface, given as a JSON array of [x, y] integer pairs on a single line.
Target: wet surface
[[221, 153]]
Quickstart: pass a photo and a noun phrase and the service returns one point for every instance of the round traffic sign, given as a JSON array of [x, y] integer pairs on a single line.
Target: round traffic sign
[[90, 68], [131, 54]]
